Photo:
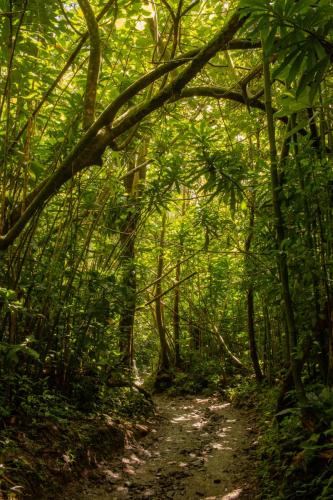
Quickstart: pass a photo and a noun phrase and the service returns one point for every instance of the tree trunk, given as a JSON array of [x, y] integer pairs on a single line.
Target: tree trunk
[[309, 241], [134, 186], [165, 361], [127, 315], [251, 333], [176, 317], [280, 235], [176, 322], [250, 301]]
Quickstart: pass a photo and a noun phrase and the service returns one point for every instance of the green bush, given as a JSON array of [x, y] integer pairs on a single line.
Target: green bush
[[295, 452], [200, 377]]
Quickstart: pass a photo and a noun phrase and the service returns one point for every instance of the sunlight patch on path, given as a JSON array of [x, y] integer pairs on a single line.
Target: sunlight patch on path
[[197, 451]]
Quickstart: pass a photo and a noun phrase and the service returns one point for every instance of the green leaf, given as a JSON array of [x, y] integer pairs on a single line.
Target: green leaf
[[296, 129], [295, 67], [269, 42], [290, 104], [287, 411], [312, 78], [285, 62]]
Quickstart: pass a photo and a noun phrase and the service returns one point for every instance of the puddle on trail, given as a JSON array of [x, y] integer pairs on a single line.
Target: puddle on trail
[[200, 448]]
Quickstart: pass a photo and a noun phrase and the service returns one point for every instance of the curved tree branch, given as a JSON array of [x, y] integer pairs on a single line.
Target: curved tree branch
[[108, 115], [106, 118], [89, 150], [220, 93]]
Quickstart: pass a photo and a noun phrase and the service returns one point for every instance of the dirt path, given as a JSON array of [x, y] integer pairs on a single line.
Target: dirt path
[[200, 448]]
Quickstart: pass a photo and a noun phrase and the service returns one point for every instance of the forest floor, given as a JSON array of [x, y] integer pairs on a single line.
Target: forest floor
[[197, 447]]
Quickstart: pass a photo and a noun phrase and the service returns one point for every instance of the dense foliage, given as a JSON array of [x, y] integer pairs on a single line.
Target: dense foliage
[[166, 206]]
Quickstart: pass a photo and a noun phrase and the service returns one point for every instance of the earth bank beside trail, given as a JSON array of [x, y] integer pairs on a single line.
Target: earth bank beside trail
[[198, 447]]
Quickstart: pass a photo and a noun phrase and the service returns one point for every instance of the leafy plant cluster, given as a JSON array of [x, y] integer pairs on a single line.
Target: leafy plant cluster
[[199, 377], [295, 445], [52, 435]]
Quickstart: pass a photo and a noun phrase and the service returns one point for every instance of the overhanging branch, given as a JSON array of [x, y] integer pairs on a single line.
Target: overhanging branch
[[220, 93], [90, 148]]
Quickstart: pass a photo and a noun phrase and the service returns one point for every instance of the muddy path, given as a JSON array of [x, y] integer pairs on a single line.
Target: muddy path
[[198, 448]]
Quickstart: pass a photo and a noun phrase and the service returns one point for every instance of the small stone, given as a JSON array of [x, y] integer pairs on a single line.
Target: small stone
[[149, 493]]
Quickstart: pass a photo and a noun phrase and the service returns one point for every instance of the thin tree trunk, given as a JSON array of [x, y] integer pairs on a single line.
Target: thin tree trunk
[[267, 369], [309, 241], [134, 186], [126, 321], [176, 317], [176, 322], [251, 333], [280, 235], [250, 302], [165, 361]]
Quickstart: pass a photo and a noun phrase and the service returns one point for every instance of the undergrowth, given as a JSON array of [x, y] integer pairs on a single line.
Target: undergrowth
[[48, 435], [295, 451], [205, 377]]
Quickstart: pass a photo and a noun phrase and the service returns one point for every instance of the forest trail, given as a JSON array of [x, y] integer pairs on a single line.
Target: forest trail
[[199, 447]]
